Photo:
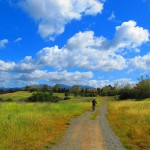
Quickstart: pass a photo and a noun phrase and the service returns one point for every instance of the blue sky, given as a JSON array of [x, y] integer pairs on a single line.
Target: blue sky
[[84, 42]]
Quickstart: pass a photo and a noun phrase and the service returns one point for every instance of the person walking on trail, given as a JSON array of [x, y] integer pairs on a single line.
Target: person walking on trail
[[93, 104]]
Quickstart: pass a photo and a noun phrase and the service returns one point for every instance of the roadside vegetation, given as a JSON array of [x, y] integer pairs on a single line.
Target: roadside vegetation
[[15, 96], [37, 125], [138, 91], [94, 115], [131, 122], [35, 117]]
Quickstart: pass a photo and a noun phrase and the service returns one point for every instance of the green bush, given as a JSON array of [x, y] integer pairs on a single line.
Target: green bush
[[9, 100], [43, 97], [67, 98], [1, 100], [140, 91], [90, 94], [128, 94], [66, 94], [143, 89]]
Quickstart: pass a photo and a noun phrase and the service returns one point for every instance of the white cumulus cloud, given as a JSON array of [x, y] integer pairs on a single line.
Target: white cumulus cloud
[[6, 66], [53, 15], [63, 77], [85, 50], [130, 35], [141, 62]]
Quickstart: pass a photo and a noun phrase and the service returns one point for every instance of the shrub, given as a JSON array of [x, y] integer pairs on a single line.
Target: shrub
[[1, 100], [43, 97], [128, 93], [66, 94], [140, 91], [9, 100], [67, 98], [143, 89], [90, 94]]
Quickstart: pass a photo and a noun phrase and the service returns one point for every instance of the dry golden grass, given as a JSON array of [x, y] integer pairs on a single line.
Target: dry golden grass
[[131, 121], [16, 95], [36, 125]]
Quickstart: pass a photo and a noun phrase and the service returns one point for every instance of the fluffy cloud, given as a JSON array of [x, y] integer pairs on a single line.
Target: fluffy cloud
[[6, 66], [53, 15], [127, 36], [56, 77], [63, 77], [84, 50], [87, 58], [123, 82], [3, 43], [4, 78], [141, 62]]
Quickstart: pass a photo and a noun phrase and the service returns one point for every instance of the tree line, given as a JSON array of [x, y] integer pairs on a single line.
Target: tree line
[[140, 91]]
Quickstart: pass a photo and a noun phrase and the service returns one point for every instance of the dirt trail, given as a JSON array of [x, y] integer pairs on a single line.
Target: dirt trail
[[82, 134], [86, 134]]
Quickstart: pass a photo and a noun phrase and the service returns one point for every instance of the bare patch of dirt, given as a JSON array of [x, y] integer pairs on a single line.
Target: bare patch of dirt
[[82, 134]]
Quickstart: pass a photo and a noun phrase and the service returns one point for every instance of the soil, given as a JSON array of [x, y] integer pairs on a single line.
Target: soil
[[86, 134]]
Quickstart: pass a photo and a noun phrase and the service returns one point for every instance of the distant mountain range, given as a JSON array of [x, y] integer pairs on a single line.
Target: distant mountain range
[[41, 85], [15, 88], [69, 87]]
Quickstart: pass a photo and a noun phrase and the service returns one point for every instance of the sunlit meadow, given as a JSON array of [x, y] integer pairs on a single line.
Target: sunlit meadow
[[37, 125], [131, 121]]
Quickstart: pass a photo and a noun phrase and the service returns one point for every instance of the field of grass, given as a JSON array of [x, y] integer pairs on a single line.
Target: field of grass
[[16, 96], [62, 95], [37, 125], [131, 122]]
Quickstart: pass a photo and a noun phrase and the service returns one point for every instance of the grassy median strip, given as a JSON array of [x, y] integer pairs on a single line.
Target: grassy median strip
[[94, 115], [131, 121], [35, 125]]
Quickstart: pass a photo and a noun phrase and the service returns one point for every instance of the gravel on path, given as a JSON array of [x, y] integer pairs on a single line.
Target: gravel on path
[[112, 142], [86, 134], [82, 134]]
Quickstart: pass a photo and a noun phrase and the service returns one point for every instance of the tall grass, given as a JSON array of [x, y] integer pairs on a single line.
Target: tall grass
[[131, 121], [36, 125], [16, 95]]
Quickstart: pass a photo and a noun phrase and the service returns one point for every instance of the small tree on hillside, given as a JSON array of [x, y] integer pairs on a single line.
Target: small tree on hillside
[[75, 89], [143, 88], [56, 88], [45, 88]]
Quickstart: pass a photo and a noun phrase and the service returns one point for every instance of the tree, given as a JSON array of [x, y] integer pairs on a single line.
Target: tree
[[143, 88], [75, 89], [56, 88], [98, 91], [28, 88], [45, 88]]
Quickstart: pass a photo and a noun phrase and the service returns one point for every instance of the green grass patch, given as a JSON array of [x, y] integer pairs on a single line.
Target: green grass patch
[[131, 121], [37, 125], [16, 96], [62, 95], [94, 115]]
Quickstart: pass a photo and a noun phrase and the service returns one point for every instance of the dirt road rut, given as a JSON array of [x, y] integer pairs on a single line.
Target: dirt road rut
[[86, 134], [82, 134]]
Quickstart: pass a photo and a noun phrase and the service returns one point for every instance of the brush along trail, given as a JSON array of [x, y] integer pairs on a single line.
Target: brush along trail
[[90, 133]]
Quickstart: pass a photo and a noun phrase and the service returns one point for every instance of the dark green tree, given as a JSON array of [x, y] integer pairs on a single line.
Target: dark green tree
[[56, 88]]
